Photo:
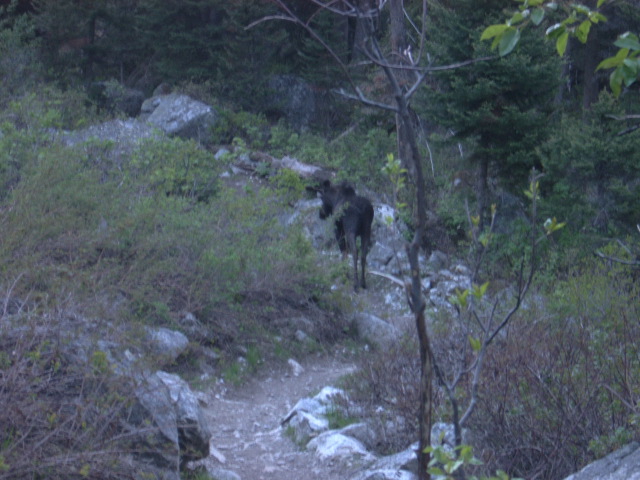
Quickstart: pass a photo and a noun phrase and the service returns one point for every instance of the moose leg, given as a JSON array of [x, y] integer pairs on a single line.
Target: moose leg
[[340, 237], [353, 249], [365, 248]]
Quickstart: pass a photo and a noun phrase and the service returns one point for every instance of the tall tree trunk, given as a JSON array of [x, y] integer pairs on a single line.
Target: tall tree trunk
[[398, 45], [410, 156], [414, 291]]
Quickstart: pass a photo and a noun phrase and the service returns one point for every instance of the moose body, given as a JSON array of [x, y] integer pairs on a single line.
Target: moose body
[[353, 216]]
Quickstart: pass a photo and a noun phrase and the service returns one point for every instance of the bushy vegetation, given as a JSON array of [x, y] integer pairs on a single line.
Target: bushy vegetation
[[559, 388], [133, 242], [60, 419], [160, 228], [145, 239]]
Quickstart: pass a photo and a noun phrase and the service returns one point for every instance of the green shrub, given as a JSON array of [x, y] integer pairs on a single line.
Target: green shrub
[[20, 66], [175, 167], [288, 185], [251, 128], [70, 229], [591, 170]]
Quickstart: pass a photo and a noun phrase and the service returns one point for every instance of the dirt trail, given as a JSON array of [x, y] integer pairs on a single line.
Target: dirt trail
[[248, 438]]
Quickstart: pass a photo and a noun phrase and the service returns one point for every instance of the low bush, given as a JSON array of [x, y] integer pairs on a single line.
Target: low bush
[[174, 167], [385, 388], [562, 389], [144, 239], [558, 389], [60, 420]]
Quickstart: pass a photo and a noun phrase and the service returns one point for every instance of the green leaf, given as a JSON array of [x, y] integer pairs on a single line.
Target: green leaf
[[484, 239], [453, 466], [508, 41], [581, 9], [597, 17], [629, 73], [493, 31], [614, 61], [561, 43], [476, 344], [479, 291], [615, 81], [516, 18], [600, 3], [459, 298], [537, 16], [582, 32], [627, 40], [554, 31], [551, 225]]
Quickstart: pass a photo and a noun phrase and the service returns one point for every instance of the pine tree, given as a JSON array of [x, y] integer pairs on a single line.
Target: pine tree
[[500, 106]]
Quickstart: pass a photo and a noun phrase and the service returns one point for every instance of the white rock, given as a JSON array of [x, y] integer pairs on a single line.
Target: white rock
[[336, 446], [296, 368]]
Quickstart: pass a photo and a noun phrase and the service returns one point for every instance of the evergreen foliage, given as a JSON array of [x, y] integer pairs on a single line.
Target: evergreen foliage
[[593, 171], [499, 106]]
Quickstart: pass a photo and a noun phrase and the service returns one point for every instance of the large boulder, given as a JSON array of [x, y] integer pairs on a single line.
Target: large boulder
[[182, 433], [375, 330], [623, 464], [334, 445], [109, 143], [179, 115], [167, 343]]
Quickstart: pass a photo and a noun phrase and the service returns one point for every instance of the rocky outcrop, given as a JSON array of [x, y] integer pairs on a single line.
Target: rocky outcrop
[[375, 330], [179, 115], [351, 445], [182, 432], [623, 464]]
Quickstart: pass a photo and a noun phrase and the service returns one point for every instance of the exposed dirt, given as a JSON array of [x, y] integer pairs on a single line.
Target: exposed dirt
[[248, 438]]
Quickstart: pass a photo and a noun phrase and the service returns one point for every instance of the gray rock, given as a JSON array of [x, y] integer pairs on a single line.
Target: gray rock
[[179, 115], [623, 464], [437, 260], [308, 405], [168, 343], [183, 433], [376, 330], [222, 474], [306, 426], [123, 136], [382, 474], [336, 446], [362, 432], [404, 461], [328, 395], [295, 367]]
